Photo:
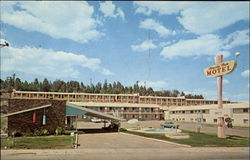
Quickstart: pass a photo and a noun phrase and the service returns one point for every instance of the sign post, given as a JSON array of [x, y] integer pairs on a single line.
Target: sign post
[[221, 124], [218, 70]]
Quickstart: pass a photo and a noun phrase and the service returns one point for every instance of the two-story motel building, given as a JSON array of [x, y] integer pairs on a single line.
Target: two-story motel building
[[126, 106]]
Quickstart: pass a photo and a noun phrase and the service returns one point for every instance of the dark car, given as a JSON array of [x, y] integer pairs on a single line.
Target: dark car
[[169, 124]]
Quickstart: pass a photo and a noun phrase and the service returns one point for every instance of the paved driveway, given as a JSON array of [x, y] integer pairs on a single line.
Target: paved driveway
[[121, 141], [240, 131]]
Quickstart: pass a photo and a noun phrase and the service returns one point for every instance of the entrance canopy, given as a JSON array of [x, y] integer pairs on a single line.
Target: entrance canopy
[[73, 110]]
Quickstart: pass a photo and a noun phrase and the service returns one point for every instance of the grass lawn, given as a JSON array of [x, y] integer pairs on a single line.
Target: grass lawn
[[200, 139], [39, 142]]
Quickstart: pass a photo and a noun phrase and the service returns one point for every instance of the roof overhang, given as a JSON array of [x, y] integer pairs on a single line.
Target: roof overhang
[[26, 110], [90, 112], [103, 104]]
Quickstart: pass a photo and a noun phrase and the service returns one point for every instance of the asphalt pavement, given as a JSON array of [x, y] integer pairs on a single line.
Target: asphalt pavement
[[182, 153]]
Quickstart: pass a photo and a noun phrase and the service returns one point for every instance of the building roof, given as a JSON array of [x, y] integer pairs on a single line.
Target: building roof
[[99, 94], [203, 107], [99, 104], [93, 113], [27, 110], [65, 93]]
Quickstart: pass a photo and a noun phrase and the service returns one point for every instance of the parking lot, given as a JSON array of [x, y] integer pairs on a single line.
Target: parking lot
[[206, 128]]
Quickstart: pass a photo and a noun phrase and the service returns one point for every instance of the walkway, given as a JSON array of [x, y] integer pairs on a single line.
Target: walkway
[[121, 140]]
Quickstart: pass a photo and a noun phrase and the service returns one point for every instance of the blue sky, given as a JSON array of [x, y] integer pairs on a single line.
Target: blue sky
[[110, 40]]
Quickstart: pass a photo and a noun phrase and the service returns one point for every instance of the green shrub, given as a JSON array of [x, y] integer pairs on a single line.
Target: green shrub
[[45, 132], [59, 131], [123, 129], [67, 132], [38, 132]]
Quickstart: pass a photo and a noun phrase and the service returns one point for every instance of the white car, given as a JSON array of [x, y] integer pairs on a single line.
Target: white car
[[97, 120]]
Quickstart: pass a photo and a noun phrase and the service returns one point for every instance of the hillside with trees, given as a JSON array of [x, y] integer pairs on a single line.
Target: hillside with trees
[[77, 87]]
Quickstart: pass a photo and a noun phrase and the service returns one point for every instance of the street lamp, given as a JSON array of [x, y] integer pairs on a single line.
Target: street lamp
[[237, 54], [4, 44]]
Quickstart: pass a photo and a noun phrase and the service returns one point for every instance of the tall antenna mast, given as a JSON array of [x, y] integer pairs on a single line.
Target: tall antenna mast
[[149, 56]]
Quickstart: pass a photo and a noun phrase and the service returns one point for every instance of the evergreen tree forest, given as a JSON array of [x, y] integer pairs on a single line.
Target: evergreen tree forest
[[16, 83]]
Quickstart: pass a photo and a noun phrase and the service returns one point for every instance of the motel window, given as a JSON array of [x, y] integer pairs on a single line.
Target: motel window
[[215, 120], [183, 119], [245, 110], [204, 120], [191, 119], [203, 111], [173, 112], [183, 112], [192, 111], [245, 121]]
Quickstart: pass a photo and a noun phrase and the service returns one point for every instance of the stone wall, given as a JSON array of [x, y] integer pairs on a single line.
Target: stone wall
[[22, 123]]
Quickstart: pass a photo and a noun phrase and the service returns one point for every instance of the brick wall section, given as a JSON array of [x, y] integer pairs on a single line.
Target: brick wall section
[[22, 123]]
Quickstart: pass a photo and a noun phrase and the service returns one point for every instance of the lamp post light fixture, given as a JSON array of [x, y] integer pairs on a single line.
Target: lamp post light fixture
[[237, 54], [4, 44]]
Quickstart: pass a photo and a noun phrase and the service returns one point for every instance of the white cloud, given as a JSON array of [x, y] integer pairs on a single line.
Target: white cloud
[[237, 38], [110, 10], [143, 46], [225, 81], [71, 20], [163, 8], [240, 97], [199, 17], [120, 13], [156, 26], [143, 10], [245, 73], [156, 85], [47, 62], [164, 44], [204, 45], [207, 94], [212, 94], [2, 33]]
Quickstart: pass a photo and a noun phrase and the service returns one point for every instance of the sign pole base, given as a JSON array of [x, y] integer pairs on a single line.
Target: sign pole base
[[221, 128]]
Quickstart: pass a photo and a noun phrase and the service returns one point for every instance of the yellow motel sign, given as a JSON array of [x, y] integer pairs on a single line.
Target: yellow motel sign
[[220, 69]]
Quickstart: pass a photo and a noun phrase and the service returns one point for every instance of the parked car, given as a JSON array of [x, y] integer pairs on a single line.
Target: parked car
[[169, 124], [96, 120]]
